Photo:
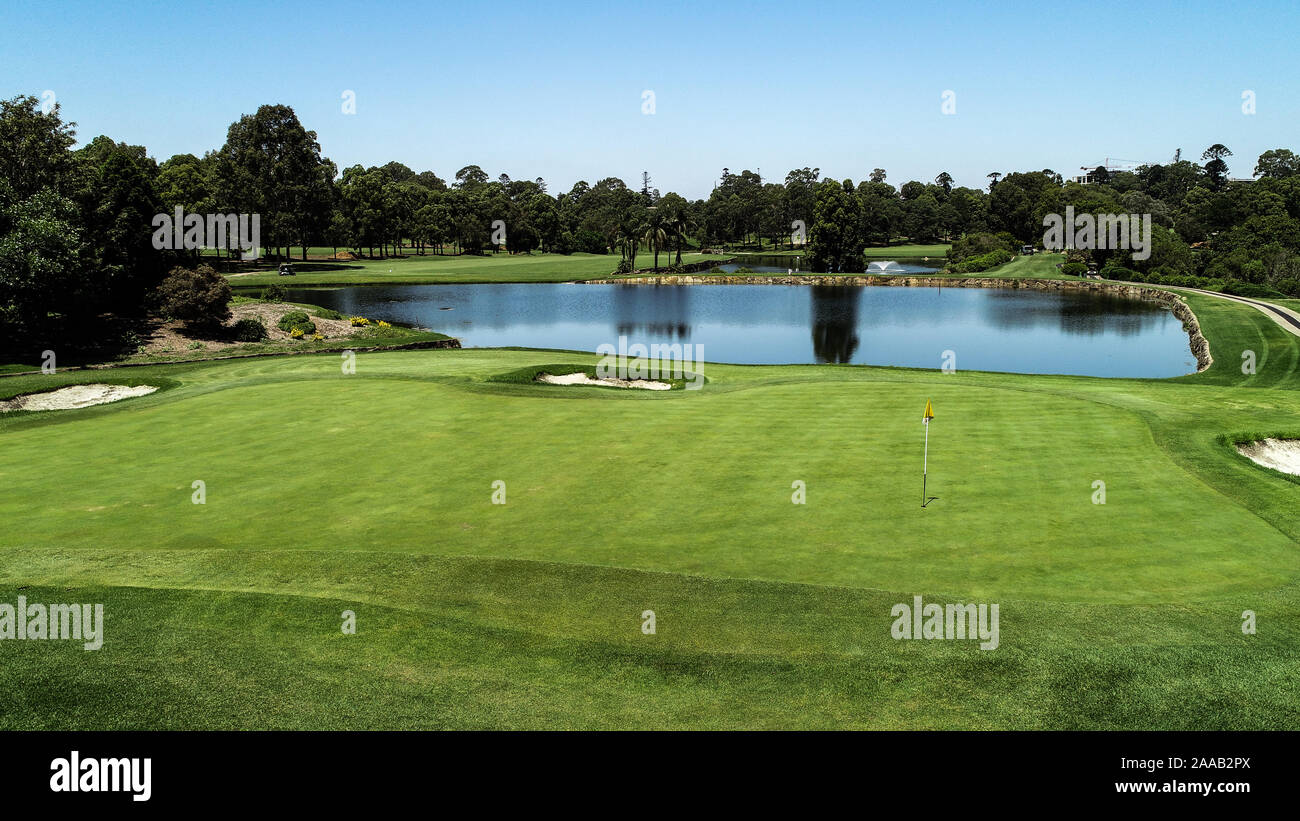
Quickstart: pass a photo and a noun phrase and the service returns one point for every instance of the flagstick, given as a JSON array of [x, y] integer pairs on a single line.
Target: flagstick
[[925, 462]]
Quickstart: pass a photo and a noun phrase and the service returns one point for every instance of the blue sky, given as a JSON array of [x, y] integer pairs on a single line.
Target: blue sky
[[556, 90]]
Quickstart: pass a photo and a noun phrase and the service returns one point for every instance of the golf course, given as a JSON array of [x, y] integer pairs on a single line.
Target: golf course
[[499, 542]]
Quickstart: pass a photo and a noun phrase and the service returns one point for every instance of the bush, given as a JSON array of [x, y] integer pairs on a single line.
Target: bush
[[624, 267], [200, 298], [326, 313], [273, 293], [297, 321], [249, 329], [359, 321], [744, 270], [1074, 269], [1250, 289], [296, 333], [992, 259], [1289, 286], [1120, 272]]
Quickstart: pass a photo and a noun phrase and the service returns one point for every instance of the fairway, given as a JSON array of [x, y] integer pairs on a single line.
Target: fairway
[[433, 268], [373, 493]]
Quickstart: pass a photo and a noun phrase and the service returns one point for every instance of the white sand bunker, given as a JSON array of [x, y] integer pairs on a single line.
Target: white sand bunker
[[74, 396], [583, 379], [1278, 454]]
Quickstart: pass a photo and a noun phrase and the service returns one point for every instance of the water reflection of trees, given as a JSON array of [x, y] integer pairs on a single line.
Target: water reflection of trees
[[1074, 313], [835, 322], [671, 330]]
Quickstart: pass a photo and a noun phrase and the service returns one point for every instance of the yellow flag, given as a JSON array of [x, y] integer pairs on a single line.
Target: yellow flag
[[929, 412]]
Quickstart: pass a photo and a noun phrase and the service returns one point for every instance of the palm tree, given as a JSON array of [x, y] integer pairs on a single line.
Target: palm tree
[[629, 234], [680, 225], [655, 235], [675, 220]]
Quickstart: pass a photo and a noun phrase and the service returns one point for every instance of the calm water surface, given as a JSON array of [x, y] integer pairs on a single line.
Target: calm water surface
[[988, 329]]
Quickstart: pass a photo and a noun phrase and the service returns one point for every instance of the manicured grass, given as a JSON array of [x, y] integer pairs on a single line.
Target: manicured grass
[[432, 268], [896, 251], [872, 252], [1036, 266], [373, 493]]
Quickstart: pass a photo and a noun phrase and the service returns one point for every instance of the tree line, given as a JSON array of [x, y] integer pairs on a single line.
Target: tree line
[[76, 225]]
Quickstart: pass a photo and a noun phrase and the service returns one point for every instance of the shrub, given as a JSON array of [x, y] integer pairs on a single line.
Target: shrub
[[273, 293], [1288, 285], [326, 313], [1120, 272], [1074, 269], [1250, 289], [624, 267], [744, 270], [296, 333], [249, 329], [200, 298], [359, 321], [992, 259], [297, 321]]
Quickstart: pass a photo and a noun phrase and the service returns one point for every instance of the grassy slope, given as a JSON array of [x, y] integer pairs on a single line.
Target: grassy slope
[[372, 493], [432, 268]]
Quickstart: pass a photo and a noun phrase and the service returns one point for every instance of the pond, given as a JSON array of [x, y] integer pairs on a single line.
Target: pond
[[991, 329]]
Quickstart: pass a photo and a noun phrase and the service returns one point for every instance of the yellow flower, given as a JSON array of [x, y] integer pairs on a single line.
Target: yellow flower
[[296, 333]]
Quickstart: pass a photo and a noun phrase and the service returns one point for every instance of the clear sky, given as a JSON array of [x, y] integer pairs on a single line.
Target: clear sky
[[556, 90]]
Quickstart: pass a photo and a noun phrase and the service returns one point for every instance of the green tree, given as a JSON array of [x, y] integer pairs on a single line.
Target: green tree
[[272, 165], [35, 148], [834, 243], [41, 269], [1216, 169], [1277, 163], [120, 201]]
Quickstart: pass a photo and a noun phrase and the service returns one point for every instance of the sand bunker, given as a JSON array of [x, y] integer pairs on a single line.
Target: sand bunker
[[74, 396], [1278, 454], [583, 379]]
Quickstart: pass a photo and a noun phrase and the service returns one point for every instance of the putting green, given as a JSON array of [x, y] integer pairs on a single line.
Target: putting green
[[693, 484]]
